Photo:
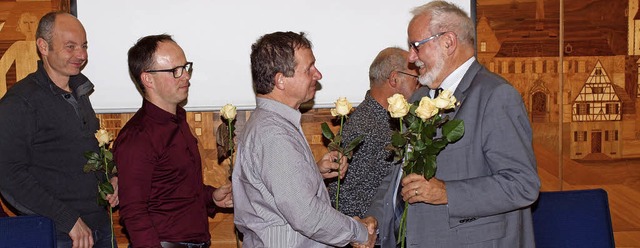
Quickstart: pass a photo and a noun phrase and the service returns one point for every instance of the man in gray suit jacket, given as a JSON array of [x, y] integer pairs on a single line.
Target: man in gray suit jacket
[[485, 182]]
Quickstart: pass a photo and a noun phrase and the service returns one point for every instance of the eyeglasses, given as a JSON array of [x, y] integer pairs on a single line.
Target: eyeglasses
[[408, 74], [178, 70], [414, 45]]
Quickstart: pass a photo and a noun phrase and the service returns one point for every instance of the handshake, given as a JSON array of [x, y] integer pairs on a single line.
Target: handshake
[[372, 225]]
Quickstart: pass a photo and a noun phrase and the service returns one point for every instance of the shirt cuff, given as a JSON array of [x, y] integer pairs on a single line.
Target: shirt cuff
[[362, 234]]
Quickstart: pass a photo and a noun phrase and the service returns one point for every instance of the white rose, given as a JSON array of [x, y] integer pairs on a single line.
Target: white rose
[[228, 112], [343, 107], [398, 106], [103, 137], [445, 100], [426, 109]]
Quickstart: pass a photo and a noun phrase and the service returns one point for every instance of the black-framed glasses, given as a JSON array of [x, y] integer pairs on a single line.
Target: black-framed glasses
[[177, 71], [416, 44], [408, 74]]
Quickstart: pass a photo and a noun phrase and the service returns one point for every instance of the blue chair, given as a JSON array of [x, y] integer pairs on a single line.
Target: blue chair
[[578, 218], [27, 232]]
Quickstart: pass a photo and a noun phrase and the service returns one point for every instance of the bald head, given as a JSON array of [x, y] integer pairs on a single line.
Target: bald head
[[388, 60], [51, 20]]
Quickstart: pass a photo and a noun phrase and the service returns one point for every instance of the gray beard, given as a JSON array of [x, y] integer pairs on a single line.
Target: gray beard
[[430, 76]]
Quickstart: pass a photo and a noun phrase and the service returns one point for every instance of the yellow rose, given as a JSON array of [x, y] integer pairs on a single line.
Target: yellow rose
[[398, 106], [426, 109], [103, 137], [343, 107], [445, 100], [228, 112]]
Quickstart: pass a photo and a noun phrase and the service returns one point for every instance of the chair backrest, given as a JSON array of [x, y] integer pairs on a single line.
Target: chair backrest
[[27, 232], [2, 212], [578, 218]]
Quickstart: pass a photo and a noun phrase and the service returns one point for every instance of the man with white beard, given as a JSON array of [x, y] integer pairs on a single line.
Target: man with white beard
[[485, 182]]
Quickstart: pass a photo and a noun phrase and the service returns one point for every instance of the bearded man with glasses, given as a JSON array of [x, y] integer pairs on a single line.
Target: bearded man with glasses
[[164, 201], [485, 182]]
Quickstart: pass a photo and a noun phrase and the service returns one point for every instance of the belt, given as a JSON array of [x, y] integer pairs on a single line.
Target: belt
[[166, 244]]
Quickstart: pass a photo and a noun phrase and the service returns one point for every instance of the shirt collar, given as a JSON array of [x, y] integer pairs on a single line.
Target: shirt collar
[[290, 114], [79, 84], [161, 115], [451, 82], [376, 105]]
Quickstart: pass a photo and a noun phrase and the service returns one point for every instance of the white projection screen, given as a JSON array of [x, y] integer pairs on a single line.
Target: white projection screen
[[217, 35]]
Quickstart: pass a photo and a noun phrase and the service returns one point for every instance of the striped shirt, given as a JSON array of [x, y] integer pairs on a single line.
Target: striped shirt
[[280, 199]]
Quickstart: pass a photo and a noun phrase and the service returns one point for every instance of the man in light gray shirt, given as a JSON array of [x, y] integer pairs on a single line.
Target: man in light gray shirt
[[279, 193]]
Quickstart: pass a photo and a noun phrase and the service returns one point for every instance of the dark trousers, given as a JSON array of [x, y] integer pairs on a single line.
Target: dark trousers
[[101, 238]]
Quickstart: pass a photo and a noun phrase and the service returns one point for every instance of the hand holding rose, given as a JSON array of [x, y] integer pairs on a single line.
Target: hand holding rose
[[223, 196], [329, 168]]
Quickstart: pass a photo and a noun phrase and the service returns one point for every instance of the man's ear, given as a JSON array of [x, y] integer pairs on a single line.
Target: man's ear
[[393, 79], [450, 42], [147, 80], [43, 46], [279, 79]]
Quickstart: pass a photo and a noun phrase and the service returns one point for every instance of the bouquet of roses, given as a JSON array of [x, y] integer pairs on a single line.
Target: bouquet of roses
[[419, 141]]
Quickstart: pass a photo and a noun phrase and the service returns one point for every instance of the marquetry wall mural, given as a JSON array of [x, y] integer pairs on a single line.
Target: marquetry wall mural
[[18, 23], [587, 131]]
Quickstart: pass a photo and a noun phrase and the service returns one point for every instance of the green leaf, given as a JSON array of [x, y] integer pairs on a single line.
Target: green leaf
[[106, 187], [409, 166], [440, 143], [415, 126], [109, 166], [337, 139], [431, 150], [398, 140], [453, 130], [429, 131], [326, 131], [232, 127], [354, 143], [102, 202], [91, 155], [92, 165], [418, 168], [108, 155], [411, 118], [430, 167], [333, 146]]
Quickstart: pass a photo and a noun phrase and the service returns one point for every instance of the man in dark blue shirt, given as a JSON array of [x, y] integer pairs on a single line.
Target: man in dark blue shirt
[[46, 125]]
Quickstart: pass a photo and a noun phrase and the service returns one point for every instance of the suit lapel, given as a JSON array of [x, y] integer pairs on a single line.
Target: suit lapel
[[465, 83]]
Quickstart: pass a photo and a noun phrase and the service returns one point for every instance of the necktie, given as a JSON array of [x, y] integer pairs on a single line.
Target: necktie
[[436, 92]]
